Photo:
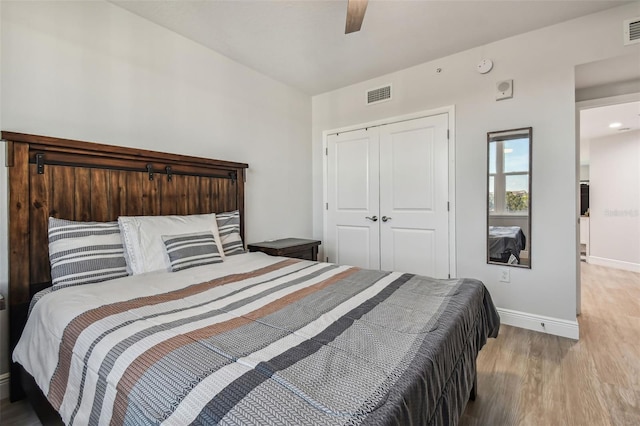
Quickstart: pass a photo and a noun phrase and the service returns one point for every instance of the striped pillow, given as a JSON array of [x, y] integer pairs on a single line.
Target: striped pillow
[[191, 250], [84, 252], [229, 229]]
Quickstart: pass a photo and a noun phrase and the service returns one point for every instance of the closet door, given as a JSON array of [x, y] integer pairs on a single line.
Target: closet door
[[414, 226], [353, 235]]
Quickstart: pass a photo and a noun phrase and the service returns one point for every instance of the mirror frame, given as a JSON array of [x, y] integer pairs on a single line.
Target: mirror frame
[[491, 137]]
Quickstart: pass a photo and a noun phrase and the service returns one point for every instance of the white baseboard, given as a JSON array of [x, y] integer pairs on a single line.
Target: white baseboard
[[555, 326], [4, 385], [612, 263]]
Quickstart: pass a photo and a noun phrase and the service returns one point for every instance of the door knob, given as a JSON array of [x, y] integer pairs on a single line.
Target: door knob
[[372, 219], [386, 218]]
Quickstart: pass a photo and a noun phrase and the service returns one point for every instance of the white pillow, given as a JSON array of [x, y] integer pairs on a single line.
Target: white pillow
[[142, 237]]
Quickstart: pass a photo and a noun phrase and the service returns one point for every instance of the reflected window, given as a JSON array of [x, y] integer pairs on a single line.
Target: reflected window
[[492, 159], [509, 197], [516, 155], [517, 194], [492, 204], [509, 176]]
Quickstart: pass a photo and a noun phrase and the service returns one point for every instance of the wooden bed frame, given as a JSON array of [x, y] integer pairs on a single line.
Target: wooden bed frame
[[86, 181], [93, 182]]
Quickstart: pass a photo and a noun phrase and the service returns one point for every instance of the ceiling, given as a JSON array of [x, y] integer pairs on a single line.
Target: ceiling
[[302, 43], [594, 123]]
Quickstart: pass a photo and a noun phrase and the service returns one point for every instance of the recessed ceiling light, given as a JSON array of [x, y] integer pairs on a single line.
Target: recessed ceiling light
[[615, 125]]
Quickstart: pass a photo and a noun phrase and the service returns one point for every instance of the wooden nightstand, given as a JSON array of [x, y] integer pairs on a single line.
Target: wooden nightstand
[[289, 247]]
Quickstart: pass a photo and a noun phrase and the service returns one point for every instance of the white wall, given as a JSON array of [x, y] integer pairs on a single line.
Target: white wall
[[93, 71], [541, 63], [617, 88], [584, 172], [4, 254], [614, 201]]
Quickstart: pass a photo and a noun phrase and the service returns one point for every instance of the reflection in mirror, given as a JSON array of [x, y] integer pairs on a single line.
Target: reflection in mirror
[[509, 197]]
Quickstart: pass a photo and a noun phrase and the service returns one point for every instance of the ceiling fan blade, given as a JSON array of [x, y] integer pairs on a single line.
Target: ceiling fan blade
[[355, 15]]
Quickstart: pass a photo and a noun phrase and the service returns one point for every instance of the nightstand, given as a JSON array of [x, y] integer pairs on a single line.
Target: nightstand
[[289, 247]]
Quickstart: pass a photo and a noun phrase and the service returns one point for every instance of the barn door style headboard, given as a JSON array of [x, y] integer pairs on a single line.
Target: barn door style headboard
[[86, 181]]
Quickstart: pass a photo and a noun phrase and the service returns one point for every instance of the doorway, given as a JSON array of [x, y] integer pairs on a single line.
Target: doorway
[[600, 85], [610, 183], [387, 196]]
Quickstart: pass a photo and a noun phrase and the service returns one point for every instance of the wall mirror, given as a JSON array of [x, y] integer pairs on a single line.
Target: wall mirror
[[509, 197]]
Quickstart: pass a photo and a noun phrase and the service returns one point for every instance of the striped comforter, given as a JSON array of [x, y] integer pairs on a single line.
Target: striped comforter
[[260, 341]]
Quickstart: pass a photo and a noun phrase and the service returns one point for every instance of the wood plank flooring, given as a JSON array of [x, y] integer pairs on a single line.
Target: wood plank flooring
[[528, 378], [17, 414]]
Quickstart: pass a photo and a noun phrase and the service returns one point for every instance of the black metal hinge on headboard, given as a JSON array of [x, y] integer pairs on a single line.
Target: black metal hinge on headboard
[[233, 176], [150, 171], [169, 173], [40, 163]]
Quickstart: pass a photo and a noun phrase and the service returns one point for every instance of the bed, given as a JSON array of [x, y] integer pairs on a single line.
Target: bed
[[251, 340], [505, 242]]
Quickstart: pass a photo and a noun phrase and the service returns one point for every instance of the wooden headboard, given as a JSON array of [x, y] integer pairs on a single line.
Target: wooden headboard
[[86, 181]]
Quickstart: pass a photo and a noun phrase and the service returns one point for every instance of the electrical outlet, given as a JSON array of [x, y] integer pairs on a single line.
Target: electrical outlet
[[505, 275]]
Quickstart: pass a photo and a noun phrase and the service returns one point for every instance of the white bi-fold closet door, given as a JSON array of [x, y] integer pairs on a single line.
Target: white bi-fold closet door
[[387, 197]]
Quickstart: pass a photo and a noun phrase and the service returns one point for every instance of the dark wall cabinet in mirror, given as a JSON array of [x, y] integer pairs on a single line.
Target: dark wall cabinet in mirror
[[509, 197]]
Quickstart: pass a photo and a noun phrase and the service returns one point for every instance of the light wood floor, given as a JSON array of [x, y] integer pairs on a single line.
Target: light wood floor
[[528, 378], [17, 414]]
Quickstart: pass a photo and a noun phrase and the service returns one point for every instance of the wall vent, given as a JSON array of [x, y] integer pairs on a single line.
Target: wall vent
[[632, 31], [379, 94]]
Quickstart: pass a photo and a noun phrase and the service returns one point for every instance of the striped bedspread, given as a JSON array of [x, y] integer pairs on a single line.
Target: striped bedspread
[[260, 341]]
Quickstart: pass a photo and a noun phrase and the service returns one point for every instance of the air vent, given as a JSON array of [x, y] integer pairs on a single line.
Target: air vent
[[632, 31], [380, 94]]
